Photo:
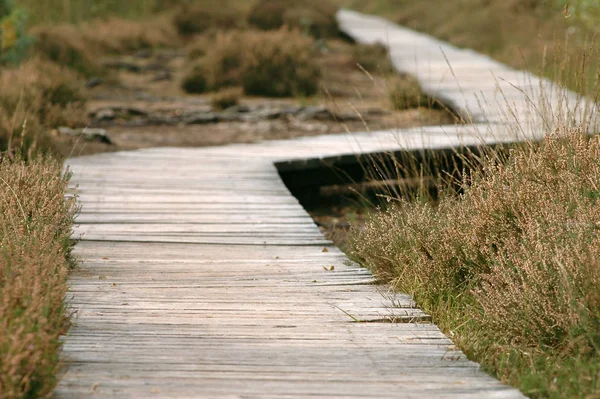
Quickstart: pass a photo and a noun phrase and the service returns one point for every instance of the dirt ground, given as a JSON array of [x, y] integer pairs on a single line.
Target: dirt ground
[[148, 85]]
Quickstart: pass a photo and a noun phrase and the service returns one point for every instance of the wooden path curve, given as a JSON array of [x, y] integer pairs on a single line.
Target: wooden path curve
[[203, 277]]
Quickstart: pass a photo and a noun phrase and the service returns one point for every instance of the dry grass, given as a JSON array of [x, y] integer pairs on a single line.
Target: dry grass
[[80, 46], [226, 98], [374, 58], [315, 17], [405, 93], [65, 45], [38, 95], [274, 64], [202, 16], [35, 259], [509, 265], [118, 35]]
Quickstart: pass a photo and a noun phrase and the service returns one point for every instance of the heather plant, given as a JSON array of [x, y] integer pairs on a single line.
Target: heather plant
[[405, 92], [65, 45], [36, 222], [199, 17], [80, 47], [314, 17], [118, 35], [274, 64], [374, 58], [508, 264], [37, 96], [226, 98]]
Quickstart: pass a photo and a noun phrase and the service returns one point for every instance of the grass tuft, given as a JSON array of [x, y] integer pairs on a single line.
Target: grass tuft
[[65, 45], [405, 93], [36, 222], [274, 64], [226, 98], [373, 58], [200, 17], [36, 96], [314, 17]]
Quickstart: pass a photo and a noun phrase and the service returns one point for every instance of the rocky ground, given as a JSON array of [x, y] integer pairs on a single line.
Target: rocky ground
[[142, 105]]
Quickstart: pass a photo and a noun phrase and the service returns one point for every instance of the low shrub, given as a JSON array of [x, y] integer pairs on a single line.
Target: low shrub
[[195, 81], [199, 46], [37, 96], [509, 267], [200, 17], [118, 35], [80, 47], [374, 58], [274, 64], [280, 64], [405, 93], [36, 222], [315, 17], [226, 98]]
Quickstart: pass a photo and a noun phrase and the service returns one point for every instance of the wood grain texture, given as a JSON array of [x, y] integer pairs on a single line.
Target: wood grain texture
[[202, 277], [216, 287]]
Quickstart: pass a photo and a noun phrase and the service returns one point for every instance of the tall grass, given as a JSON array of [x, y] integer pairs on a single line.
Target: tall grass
[[36, 224], [38, 96], [508, 265]]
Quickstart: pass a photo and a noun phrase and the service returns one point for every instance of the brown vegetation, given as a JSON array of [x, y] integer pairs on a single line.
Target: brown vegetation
[[405, 92], [226, 98], [36, 224], [275, 64], [203, 16], [509, 267], [65, 45], [316, 17], [80, 47], [374, 58], [117, 35], [36, 96]]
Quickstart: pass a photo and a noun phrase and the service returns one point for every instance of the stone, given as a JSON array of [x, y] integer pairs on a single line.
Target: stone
[[201, 118], [89, 134], [93, 82]]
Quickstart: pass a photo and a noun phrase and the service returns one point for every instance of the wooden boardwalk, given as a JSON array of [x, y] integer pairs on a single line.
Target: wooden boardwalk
[[203, 277], [480, 88]]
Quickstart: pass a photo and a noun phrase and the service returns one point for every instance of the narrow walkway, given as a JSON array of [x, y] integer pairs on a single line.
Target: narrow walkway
[[203, 277], [482, 89]]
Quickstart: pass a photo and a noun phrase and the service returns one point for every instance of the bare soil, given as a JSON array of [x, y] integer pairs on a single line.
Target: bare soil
[[150, 82]]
